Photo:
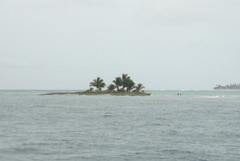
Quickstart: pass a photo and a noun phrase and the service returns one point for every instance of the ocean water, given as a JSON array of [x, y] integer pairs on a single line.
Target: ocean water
[[197, 126]]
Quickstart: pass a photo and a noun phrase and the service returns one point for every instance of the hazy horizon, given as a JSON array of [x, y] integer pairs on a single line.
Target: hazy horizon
[[50, 44]]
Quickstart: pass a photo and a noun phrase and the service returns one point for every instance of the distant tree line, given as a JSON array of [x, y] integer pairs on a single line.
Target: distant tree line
[[230, 86], [124, 83]]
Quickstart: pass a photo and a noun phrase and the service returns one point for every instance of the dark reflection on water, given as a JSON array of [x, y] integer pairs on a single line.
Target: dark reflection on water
[[197, 126]]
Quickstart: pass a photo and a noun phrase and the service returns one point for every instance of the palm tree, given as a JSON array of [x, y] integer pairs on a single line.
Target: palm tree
[[118, 83], [129, 84], [98, 83], [91, 89], [139, 87], [125, 78], [111, 87]]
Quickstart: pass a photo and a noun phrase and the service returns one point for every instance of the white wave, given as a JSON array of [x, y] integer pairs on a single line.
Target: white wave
[[211, 97]]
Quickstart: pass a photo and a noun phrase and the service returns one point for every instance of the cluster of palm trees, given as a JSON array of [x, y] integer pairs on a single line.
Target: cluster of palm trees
[[123, 83]]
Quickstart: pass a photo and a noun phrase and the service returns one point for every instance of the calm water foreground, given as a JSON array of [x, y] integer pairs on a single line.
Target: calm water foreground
[[197, 126]]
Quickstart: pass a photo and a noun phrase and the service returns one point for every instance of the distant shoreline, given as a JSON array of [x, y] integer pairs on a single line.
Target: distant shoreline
[[89, 93], [227, 87]]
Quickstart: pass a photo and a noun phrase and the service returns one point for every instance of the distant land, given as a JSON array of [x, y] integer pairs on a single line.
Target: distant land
[[120, 86], [227, 87]]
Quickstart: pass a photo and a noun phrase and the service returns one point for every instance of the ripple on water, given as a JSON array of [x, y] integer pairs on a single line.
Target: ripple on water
[[159, 127]]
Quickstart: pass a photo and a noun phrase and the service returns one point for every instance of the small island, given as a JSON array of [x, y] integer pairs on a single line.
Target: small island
[[228, 87], [120, 86]]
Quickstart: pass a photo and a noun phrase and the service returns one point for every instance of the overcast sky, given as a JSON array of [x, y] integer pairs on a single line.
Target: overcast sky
[[64, 44]]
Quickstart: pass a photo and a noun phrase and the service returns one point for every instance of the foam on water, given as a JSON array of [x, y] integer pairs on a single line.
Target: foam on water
[[211, 97]]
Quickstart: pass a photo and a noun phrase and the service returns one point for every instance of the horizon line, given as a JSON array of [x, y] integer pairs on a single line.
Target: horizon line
[[85, 89]]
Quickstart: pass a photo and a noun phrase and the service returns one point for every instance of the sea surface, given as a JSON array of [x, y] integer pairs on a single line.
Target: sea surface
[[196, 126]]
